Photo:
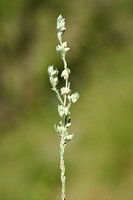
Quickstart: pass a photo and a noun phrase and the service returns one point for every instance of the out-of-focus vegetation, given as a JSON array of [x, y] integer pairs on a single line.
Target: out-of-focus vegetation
[[99, 160]]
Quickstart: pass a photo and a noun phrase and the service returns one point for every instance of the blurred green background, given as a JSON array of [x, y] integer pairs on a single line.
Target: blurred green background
[[99, 160]]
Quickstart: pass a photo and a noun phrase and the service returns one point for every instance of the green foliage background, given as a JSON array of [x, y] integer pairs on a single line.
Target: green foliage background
[[99, 160]]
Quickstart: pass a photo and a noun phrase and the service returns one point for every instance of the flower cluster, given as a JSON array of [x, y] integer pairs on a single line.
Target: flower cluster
[[60, 24], [62, 47], [69, 99]]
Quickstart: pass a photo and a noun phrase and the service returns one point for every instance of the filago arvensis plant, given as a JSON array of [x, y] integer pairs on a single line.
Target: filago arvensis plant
[[65, 97]]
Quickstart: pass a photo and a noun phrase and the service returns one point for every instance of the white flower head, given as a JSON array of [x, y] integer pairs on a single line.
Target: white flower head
[[65, 90], [65, 74]]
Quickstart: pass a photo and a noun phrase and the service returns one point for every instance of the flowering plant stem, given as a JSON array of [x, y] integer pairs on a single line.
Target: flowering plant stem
[[66, 102], [62, 167]]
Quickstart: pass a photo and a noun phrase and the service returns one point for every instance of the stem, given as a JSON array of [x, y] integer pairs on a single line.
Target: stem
[[63, 144], [62, 141], [65, 67], [59, 97], [66, 82], [62, 167]]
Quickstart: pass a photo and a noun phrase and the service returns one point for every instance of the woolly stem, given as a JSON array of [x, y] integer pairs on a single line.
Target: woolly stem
[[66, 81], [62, 142], [62, 167]]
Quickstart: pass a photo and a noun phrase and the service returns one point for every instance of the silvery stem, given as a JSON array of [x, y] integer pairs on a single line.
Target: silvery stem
[[66, 82], [63, 144], [62, 167]]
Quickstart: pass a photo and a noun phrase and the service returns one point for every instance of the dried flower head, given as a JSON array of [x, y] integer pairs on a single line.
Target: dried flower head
[[65, 74], [65, 90]]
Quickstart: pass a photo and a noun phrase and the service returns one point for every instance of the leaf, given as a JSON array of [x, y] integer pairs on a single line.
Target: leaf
[[68, 124], [61, 123], [57, 130], [69, 137]]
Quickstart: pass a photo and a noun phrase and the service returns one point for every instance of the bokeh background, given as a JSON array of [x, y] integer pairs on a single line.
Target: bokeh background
[[99, 160]]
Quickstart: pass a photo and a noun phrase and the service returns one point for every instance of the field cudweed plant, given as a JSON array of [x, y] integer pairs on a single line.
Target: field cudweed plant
[[65, 97]]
